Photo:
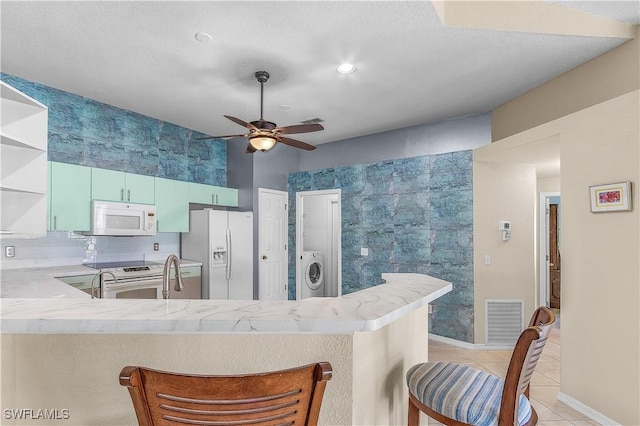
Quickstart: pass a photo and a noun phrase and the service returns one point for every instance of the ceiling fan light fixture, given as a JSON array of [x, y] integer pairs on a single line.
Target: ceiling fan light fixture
[[262, 143]]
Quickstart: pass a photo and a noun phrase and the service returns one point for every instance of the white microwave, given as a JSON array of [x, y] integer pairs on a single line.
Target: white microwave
[[122, 219]]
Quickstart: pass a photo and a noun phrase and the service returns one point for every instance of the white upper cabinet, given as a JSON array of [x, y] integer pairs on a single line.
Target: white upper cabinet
[[23, 154]]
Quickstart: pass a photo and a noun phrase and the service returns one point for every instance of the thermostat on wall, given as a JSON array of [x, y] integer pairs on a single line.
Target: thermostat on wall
[[504, 225]]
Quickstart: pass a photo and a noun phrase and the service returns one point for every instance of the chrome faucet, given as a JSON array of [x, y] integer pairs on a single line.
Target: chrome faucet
[[172, 259], [100, 274]]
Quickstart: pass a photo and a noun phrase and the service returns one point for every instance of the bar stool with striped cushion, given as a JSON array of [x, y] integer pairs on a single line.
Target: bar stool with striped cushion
[[455, 394]]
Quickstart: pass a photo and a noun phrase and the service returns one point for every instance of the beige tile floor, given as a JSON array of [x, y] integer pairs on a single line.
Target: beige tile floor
[[545, 383]]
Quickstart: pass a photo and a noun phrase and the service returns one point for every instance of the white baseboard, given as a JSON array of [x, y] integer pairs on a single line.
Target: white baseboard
[[586, 410], [471, 346]]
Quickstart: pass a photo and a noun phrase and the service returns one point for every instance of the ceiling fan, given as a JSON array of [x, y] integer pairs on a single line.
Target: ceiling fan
[[263, 135]]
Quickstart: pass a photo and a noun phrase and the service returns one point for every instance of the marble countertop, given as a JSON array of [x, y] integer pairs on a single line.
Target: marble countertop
[[364, 310], [42, 282]]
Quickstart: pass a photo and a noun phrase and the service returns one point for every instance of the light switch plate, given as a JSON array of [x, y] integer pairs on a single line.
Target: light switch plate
[[364, 251], [10, 251]]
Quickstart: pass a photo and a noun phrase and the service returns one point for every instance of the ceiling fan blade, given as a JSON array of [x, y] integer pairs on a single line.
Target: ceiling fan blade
[[250, 149], [296, 144], [221, 137], [300, 128], [241, 122]]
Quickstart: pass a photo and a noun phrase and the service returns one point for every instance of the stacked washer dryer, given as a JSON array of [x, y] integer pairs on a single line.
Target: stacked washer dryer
[[313, 271]]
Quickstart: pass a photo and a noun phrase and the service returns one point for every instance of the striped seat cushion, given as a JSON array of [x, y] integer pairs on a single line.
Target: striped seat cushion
[[461, 393]]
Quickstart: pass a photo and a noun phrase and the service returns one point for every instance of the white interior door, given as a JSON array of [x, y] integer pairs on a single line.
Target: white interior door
[[273, 222]]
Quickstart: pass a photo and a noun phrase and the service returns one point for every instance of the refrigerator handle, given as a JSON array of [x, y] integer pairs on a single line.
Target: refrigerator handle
[[229, 254]]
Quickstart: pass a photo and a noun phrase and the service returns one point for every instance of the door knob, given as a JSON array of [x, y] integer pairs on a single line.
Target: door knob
[[264, 257]]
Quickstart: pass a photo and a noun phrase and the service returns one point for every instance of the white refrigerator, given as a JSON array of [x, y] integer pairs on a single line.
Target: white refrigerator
[[223, 242]]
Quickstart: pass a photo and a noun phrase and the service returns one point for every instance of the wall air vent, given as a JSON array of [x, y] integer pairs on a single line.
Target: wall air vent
[[504, 321]]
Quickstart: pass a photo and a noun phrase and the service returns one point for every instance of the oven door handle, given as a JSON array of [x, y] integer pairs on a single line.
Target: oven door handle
[[133, 282]]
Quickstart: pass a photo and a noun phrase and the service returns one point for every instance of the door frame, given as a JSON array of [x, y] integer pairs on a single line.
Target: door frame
[[543, 237], [285, 237], [299, 235]]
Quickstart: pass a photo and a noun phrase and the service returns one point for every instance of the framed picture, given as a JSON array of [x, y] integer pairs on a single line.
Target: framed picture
[[611, 197]]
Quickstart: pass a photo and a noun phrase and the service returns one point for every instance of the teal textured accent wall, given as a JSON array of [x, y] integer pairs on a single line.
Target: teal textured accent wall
[[90, 133], [414, 215]]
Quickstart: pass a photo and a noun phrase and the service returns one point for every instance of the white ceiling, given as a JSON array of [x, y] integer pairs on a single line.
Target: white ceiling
[[411, 68]]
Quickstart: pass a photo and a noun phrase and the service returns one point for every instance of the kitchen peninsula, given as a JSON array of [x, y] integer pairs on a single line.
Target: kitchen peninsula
[[66, 353]]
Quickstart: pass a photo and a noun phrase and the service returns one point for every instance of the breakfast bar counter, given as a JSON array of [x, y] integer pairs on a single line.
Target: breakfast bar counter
[[365, 310], [66, 353]]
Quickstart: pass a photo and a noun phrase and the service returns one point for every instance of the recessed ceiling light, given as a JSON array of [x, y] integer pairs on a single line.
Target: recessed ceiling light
[[203, 37], [346, 68]]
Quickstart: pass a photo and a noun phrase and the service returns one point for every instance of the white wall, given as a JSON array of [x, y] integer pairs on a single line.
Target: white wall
[[503, 191], [457, 134], [549, 184], [600, 364]]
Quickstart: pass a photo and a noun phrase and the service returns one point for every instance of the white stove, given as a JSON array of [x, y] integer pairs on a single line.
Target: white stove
[[130, 279]]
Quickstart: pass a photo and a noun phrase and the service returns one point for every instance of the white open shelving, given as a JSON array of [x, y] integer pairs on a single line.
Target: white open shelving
[[23, 157]]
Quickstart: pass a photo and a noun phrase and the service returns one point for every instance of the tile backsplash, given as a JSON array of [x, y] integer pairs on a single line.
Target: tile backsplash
[[66, 248]]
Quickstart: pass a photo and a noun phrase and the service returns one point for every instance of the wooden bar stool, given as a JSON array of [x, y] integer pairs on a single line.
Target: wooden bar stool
[[455, 394], [291, 396]]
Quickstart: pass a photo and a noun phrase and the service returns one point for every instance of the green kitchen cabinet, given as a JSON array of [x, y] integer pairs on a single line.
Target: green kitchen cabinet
[[226, 196], [216, 195], [172, 205], [69, 198], [113, 185]]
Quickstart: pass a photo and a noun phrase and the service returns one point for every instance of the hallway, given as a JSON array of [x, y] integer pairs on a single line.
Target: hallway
[[545, 383]]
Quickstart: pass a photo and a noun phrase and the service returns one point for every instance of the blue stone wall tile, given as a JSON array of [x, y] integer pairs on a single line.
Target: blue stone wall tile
[[410, 218], [303, 181], [451, 239], [379, 238], [451, 209], [377, 211], [410, 183], [107, 127], [63, 157], [173, 139], [173, 167], [353, 238], [378, 178], [351, 211], [455, 179], [412, 268], [408, 238], [90, 133], [64, 143], [140, 161], [445, 163], [415, 215], [412, 166], [350, 180], [323, 179], [104, 153], [141, 132]]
